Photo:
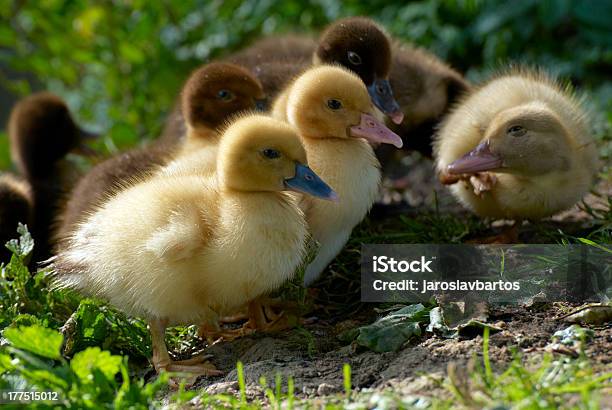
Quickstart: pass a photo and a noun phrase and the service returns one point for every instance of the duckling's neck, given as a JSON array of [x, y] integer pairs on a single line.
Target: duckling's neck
[[48, 190], [349, 166], [256, 198]]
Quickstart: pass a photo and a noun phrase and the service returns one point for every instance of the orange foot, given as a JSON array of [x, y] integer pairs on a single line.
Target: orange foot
[[264, 315]]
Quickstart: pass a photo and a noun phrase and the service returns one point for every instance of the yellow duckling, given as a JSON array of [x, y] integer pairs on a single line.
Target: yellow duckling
[[185, 249], [517, 148], [333, 113]]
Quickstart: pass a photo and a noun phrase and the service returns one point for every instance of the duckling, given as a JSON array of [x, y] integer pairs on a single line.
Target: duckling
[[425, 88], [211, 95], [332, 111], [15, 207], [187, 248], [41, 133], [517, 148], [357, 43]]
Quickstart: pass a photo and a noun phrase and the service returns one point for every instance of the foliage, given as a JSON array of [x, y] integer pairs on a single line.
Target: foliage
[[26, 297], [93, 379], [391, 332]]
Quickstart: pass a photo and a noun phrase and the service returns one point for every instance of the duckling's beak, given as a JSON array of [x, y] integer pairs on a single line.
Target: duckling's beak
[[306, 181], [261, 105], [85, 136], [375, 132], [382, 96], [480, 159]]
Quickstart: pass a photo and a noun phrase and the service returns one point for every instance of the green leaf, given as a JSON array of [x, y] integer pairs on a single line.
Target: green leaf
[[5, 363], [476, 327], [23, 246], [83, 364], [392, 331], [437, 324], [36, 339], [595, 244], [573, 334]]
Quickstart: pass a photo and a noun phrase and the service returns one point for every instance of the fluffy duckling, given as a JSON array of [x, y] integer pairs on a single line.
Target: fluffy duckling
[[517, 148], [425, 88], [332, 111], [41, 132], [356, 43], [15, 207], [211, 95], [185, 249]]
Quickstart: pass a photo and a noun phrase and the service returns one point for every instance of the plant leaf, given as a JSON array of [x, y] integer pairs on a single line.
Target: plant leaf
[[36, 339]]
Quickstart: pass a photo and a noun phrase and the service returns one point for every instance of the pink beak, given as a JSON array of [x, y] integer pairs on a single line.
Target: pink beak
[[478, 160], [375, 132], [397, 117]]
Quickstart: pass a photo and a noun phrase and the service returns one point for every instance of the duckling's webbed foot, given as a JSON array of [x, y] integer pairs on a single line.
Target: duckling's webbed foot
[[270, 315], [196, 366], [482, 182]]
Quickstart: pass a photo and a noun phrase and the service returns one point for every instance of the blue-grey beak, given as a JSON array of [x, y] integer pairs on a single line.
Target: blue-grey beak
[[382, 96], [261, 105], [84, 137], [88, 135], [306, 181]]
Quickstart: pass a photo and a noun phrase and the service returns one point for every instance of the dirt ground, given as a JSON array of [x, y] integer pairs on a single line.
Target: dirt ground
[[413, 370]]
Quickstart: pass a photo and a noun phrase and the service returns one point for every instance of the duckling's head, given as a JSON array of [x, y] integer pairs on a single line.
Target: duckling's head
[[360, 45], [527, 140], [42, 132], [217, 91], [260, 154], [332, 102]]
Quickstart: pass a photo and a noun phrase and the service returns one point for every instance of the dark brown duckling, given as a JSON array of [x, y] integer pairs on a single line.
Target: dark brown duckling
[[41, 133], [15, 207], [211, 95], [357, 43]]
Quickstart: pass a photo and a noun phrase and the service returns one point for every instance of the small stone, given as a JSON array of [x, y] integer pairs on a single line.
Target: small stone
[[222, 387], [325, 389]]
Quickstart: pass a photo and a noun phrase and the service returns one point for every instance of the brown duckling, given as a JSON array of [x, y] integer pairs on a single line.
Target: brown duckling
[[356, 43], [41, 133], [211, 95], [15, 207]]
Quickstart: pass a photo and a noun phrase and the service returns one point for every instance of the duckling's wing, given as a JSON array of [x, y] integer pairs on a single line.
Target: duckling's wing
[[182, 237]]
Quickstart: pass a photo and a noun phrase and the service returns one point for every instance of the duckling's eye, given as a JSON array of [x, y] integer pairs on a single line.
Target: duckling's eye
[[334, 104], [516, 131], [271, 153], [226, 95], [354, 58]]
